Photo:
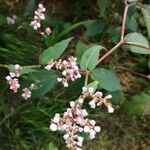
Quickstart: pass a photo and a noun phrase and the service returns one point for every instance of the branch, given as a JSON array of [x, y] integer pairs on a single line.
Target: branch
[[110, 51], [122, 33], [86, 78], [124, 20]]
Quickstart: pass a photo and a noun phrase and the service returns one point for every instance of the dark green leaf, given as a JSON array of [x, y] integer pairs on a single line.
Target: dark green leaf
[[107, 79], [95, 28], [54, 52], [131, 23], [44, 81], [80, 49]]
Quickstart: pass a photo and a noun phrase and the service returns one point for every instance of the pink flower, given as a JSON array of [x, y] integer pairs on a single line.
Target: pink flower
[[26, 94], [48, 31]]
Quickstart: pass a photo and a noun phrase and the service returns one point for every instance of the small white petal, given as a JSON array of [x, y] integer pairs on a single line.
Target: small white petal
[[80, 100], [12, 74], [97, 128], [66, 136], [59, 79], [84, 112], [86, 129], [53, 127], [92, 104], [110, 109], [109, 96], [72, 103], [84, 89], [48, 67], [8, 78]]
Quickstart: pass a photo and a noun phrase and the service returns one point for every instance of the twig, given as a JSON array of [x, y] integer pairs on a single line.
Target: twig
[[122, 41], [86, 78], [124, 20], [122, 34], [110, 51]]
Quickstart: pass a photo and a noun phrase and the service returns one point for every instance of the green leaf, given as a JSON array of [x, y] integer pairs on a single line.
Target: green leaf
[[25, 70], [44, 81], [95, 28], [114, 34], [146, 12], [81, 48], [137, 105], [107, 79], [138, 39], [90, 57], [54, 52], [94, 85], [51, 146], [132, 23]]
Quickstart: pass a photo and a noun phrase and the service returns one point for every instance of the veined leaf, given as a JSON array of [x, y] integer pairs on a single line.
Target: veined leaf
[[54, 52], [90, 57], [107, 79], [138, 39]]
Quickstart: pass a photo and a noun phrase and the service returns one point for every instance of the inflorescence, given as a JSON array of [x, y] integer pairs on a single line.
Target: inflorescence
[[74, 121], [39, 16], [13, 82], [69, 69]]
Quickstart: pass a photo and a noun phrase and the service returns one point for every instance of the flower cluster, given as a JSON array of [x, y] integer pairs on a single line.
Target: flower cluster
[[13, 78], [27, 92], [96, 98], [69, 69], [74, 123], [11, 20], [38, 17]]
